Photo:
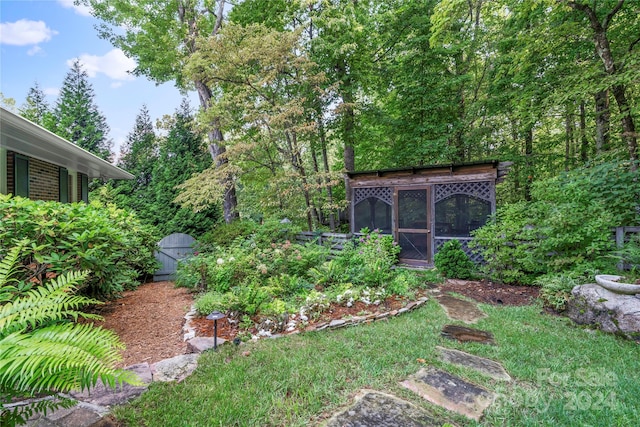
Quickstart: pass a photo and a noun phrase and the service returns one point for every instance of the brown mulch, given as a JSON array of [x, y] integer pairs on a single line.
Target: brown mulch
[[149, 320], [492, 293]]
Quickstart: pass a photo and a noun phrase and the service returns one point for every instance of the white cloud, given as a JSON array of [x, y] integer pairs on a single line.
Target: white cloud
[[79, 9], [25, 32], [34, 50], [114, 64], [116, 85]]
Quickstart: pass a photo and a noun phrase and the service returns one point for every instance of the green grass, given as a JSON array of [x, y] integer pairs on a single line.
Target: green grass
[[563, 374]]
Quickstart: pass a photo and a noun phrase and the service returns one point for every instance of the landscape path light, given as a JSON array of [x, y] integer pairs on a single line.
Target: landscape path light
[[215, 316]]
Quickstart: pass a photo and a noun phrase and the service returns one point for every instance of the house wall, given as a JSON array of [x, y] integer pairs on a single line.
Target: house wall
[[3, 171], [44, 179]]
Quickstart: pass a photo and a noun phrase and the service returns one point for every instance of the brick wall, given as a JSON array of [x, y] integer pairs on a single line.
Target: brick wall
[[44, 180]]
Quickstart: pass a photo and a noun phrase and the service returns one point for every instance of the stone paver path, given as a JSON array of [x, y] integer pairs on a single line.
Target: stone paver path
[[450, 392], [488, 367], [376, 409], [464, 334], [458, 309]]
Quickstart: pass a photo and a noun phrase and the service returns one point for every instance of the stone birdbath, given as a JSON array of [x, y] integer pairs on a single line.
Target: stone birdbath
[[612, 283]]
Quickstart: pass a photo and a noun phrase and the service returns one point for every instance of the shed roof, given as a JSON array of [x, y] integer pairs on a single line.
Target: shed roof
[[418, 169], [25, 137]]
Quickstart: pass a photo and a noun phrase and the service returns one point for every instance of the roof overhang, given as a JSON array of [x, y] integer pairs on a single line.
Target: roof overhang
[[25, 137], [418, 169]]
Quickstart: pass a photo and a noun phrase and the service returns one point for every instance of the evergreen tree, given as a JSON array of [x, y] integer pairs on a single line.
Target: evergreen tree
[[36, 108], [139, 152], [182, 153], [78, 118]]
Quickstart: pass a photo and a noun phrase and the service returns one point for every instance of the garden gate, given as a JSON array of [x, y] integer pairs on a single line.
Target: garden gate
[[172, 249]]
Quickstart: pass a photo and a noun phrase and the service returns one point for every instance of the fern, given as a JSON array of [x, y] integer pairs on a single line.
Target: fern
[[41, 350]]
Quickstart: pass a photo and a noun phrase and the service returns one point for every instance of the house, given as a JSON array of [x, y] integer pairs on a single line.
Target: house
[[38, 164], [424, 207]]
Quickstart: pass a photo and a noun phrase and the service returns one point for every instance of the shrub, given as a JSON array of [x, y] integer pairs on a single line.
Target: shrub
[[41, 352], [567, 226], [556, 289], [110, 243], [224, 235], [452, 261]]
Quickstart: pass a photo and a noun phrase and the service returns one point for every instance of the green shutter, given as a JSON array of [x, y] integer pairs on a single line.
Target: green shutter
[[64, 185], [84, 190], [21, 176]]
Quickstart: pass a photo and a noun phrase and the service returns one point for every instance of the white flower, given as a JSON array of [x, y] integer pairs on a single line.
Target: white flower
[[232, 259], [220, 261], [339, 298]]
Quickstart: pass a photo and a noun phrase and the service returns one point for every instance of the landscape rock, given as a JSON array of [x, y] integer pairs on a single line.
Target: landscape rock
[[175, 369], [464, 334], [458, 309], [486, 366], [200, 344], [592, 304], [376, 409], [453, 393], [106, 396]]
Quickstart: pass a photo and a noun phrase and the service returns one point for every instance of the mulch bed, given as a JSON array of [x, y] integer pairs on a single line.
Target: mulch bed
[[149, 320]]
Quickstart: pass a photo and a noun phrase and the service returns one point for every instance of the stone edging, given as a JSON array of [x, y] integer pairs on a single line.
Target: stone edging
[[190, 333]]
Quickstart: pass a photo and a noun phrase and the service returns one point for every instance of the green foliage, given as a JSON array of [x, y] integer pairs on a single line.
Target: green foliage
[[555, 289], [41, 350], [110, 243], [77, 118], [567, 226], [225, 234], [453, 262]]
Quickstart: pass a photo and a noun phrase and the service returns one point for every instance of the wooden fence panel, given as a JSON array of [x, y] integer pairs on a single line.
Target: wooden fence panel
[[172, 249]]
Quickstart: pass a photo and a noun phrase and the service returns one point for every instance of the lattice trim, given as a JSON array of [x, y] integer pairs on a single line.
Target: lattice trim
[[464, 242], [383, 193], [481, 190]]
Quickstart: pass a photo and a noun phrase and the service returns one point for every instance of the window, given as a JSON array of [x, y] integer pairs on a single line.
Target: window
[[21, 176], [459, 214], [64, 185], [372, 213]]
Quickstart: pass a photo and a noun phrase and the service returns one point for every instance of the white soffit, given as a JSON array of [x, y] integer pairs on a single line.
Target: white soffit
[[25, 137]]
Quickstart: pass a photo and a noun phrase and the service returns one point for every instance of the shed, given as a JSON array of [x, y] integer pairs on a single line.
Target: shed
[[424, 207]]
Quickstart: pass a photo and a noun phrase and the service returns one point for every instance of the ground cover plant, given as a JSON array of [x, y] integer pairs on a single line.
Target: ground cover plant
[[265, 276], [108, 242], [562, 374], [43, 350]]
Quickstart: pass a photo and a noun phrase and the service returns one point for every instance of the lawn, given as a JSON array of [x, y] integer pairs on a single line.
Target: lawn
[[563, 374]]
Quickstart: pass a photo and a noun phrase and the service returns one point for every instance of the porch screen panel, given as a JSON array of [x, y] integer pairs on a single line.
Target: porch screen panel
[[413, 246], [460, 214], [372, 209], [412, 209]]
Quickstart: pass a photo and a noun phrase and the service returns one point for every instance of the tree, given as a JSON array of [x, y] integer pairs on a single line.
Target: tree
[[161, 38], [181, 154], [613, 67], [139, 152], [36, 108], [78, 118]]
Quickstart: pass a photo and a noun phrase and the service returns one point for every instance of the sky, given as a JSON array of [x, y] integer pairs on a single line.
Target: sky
[[39, 39]]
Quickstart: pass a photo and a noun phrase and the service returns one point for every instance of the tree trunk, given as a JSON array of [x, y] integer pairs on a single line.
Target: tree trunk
[[568, 142], [217, 150], [528, 153], [603, 121], [584, 142], [348, 127], [603, 48]]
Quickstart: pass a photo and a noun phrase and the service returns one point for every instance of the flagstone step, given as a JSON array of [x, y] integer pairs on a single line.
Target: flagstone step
[[458, 309], [487, 367], [376, 409], [450, 392], [464, 334]]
